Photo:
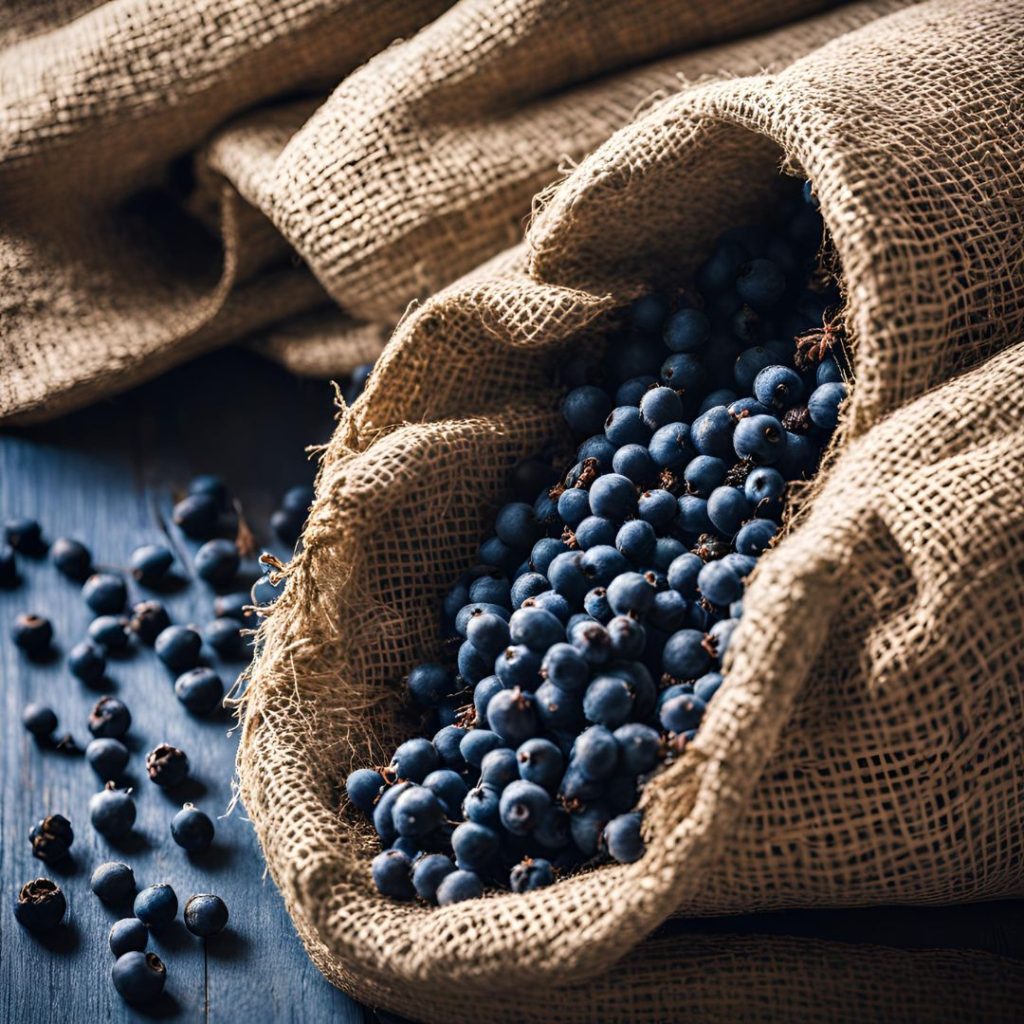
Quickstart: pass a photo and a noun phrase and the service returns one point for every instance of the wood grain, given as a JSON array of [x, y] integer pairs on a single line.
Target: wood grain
[[107, 476]]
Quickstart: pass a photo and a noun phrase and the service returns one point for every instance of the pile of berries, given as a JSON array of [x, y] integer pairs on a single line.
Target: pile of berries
[[206, 513], [590, 637]]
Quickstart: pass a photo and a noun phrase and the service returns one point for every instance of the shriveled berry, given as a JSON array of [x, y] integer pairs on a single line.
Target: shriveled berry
[[51, 838], [205, 915], [71, 558], [167, 765], [40, 905], [192, 829]]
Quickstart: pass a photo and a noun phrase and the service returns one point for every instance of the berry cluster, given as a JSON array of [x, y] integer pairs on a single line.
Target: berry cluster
[[206, 511], [591, 636]]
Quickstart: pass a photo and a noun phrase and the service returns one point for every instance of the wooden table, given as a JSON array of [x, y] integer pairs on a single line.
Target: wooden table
[[107, 476]]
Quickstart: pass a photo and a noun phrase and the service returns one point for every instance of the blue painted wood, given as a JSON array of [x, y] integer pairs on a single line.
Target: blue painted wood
[[107, 477]]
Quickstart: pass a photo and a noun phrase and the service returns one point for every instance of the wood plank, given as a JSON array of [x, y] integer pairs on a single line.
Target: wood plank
[[107, 476]]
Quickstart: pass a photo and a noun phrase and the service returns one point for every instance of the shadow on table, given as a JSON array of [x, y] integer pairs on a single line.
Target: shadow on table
[[914, 965]]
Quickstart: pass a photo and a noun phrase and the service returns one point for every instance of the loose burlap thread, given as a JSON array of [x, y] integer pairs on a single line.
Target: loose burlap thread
[[868, 743], [418, 166]]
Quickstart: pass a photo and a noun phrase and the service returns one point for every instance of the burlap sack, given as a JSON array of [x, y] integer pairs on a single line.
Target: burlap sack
[[425, 162], [419, 165], [868, 743]]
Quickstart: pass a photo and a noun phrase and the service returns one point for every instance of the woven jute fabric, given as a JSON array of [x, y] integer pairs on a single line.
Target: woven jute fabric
[[104, 278], [867, 745], [418, 166]]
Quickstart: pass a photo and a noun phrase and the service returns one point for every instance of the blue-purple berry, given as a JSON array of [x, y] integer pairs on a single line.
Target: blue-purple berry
[[200, 690], [156, 906], [113, 882], [71, 558], [192, 829]]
